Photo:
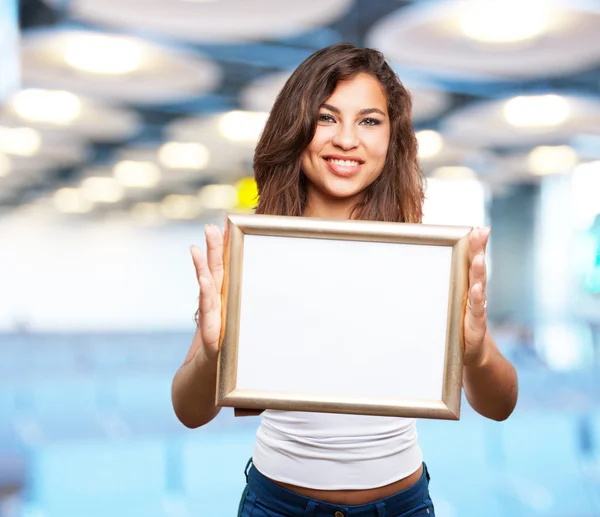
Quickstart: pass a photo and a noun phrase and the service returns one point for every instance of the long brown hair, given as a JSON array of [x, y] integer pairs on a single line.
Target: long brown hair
[[396, 195]]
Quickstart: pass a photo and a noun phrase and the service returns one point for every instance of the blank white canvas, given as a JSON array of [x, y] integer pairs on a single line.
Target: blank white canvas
[[343, 318]]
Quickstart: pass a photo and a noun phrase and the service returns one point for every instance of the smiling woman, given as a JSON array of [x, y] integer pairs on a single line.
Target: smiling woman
[[339, 144]]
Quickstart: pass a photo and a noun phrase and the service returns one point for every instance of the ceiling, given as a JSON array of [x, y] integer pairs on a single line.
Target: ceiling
[[131, 107]]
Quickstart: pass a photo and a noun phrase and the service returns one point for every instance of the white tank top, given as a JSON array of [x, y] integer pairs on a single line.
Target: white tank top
[[336, 452]]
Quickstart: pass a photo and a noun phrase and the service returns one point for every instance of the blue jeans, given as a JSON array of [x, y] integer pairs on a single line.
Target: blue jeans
[[264, 498]]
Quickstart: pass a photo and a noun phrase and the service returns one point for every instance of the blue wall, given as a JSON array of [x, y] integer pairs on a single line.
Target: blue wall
[[87, 428]]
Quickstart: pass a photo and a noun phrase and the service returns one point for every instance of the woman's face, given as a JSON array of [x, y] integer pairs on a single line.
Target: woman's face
[[348, 150]]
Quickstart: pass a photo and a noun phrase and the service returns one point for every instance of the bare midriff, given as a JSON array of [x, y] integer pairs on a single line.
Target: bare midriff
[[356, 497]]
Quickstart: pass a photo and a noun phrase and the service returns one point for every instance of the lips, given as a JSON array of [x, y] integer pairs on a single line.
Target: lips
[[343, 166]]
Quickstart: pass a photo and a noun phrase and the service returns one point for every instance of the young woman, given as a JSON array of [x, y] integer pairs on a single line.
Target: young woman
[[339, 143]]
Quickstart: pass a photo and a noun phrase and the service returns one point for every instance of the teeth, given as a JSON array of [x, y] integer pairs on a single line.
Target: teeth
[[344, 163]]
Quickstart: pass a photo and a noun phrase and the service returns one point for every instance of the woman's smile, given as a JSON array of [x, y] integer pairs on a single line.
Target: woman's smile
[[344, 166]]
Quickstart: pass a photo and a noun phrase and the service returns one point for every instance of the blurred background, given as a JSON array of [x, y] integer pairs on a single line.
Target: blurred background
[[126, 125]]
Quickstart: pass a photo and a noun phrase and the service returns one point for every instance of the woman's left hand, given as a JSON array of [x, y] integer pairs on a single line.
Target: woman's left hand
[[475, 322]]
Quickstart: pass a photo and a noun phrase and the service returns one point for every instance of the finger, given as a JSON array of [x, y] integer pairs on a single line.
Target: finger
[[478, 238], [485, 236], [208, 301], [478, 272], [208, 295], [209, 313], [198, 259], [474, 243], [477, 302], [214, 247]]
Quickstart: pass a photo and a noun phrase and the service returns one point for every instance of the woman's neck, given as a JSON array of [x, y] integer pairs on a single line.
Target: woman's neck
[[319, 205]]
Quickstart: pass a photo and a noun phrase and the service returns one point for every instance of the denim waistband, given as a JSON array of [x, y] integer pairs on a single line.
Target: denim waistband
[[289, 503]]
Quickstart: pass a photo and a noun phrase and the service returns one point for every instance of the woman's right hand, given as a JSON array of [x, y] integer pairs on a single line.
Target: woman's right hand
[[209, 272]]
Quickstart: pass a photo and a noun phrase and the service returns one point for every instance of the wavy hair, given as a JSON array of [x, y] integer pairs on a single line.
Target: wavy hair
[[396, 195]]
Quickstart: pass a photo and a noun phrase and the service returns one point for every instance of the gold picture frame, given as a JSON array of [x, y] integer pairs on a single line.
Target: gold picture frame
[[268, 237]]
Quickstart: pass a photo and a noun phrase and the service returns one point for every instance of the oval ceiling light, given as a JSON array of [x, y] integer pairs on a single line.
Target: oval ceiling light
[[21, 141], [454, 172], [243, 126], [102, 54], [556, 159], [184, 155], [218, 197], [100, 189], [180, 206], [136, 174], [503, 40], [507, 21], [430, 143], [536, 111], [524, 121], [63, 111], [5, 165], [146, 214], [213, 22], [94, 65], [53, 106], [71, 201]]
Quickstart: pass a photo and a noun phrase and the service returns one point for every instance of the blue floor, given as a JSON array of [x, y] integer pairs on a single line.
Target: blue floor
[[87, 429]]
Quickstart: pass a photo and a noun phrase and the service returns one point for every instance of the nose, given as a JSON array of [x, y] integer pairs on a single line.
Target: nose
[[346, 137]]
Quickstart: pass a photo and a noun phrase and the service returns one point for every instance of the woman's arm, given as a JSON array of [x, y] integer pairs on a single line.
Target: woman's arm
[[490, 380], [491, 384], [194, 386]]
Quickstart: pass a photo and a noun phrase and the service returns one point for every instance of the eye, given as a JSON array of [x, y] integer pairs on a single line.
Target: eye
[[370, 122], [325, 117]]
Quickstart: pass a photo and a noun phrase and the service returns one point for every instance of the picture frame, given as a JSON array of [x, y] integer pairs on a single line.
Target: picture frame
[[342, 316]]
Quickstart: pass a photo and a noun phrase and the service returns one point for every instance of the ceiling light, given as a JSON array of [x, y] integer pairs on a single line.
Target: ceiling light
[[430, 143], [552, 159], [454, 173], [56, 107], [218, 197], [22, 141], [130, 173], [177, 206], [505, 21], [103, 54], [101, 189], [536, 111], [184, 155], [243, 126], [71, 201], [5, 165]]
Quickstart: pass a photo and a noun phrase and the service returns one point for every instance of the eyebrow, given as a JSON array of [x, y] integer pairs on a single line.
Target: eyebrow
[[366, 111]]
